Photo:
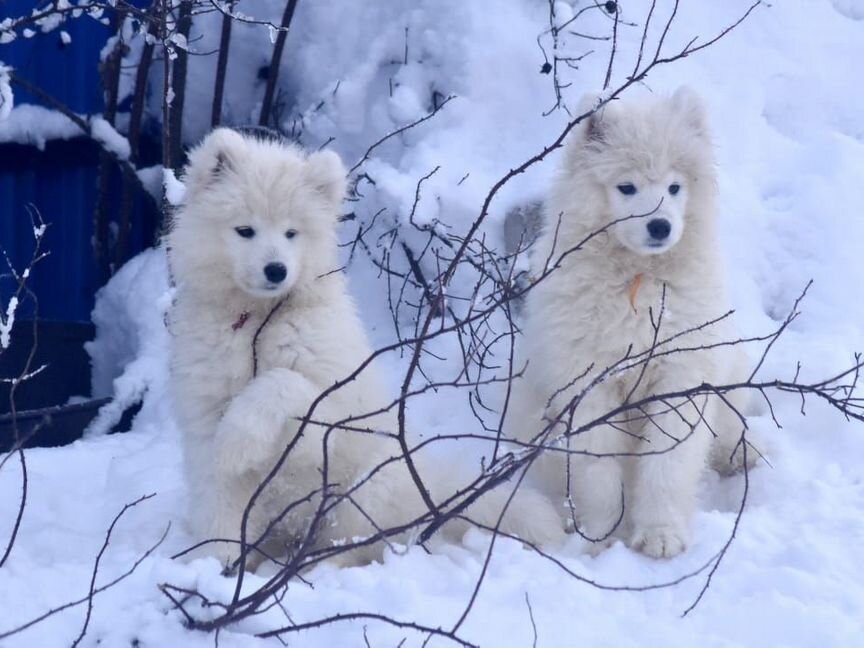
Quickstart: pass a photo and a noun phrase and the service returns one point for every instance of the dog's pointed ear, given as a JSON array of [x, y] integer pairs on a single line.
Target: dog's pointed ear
[[595, 124], [691, 109], [325, 171], [216, 155]]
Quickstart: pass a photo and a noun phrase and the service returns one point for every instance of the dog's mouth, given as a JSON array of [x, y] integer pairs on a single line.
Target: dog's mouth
[[653, 246], [266, 290]]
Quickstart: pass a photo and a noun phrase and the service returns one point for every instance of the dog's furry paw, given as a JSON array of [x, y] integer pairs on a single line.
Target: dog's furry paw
[[595, 548], [728, 459], [239, 447], [598, 534], [659, 541], [226, 553]]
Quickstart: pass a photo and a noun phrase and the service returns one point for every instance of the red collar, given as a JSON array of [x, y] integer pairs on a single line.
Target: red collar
[[241, 320]]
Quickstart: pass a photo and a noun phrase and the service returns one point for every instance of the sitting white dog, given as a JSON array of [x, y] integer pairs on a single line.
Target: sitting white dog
[[630, 259], [263, 324]]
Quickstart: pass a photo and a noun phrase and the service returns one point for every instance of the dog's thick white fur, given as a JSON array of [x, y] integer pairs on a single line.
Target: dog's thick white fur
[[650, 166], [256, 238]]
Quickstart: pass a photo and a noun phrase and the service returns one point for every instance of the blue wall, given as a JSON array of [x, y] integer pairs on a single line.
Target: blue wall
[[60, 182], [71, 72]]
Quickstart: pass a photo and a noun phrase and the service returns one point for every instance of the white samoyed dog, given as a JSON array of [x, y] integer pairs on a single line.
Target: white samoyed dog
[[628, 261], [256, 240]]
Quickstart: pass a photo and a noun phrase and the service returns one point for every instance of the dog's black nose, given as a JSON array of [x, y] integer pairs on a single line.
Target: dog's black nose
[[659, 228], [275, 272]]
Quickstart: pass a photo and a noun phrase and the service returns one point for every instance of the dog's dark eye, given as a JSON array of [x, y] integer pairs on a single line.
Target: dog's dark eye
[[674, 188], [628, 189], [290, 234], [245, 232]]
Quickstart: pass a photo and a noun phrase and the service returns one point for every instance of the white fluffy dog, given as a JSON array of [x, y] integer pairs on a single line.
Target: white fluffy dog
[[636, 195], [255, 240]]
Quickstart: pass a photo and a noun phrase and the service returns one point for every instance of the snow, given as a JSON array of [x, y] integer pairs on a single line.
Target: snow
[[30, 124], [174, 189], [178, 41], [130, 352], [109, 138], [151, 179], [785, 104], [7, 98], [36, 125], [7, 322]]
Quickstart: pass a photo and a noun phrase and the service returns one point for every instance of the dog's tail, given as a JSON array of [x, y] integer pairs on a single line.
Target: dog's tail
[[526, 514], [511, 508], [391, 498]]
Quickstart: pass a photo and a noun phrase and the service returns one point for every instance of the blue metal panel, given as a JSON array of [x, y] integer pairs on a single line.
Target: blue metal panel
[[62, 181], [68, 72], [61, 187]]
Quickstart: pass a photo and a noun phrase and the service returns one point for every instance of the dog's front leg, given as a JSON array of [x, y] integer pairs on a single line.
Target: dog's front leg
[[590, 466], [254, 429], [666, 478], [217, 516]]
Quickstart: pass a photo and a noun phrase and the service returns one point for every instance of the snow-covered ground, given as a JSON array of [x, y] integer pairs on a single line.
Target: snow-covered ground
[[786, 96]]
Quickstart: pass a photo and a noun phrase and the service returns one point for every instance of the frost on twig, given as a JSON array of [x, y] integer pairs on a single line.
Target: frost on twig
[[7, 321], [7, 98]]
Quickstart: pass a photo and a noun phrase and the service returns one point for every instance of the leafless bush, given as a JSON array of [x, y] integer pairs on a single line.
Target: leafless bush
[[441, 284], [19, 296], [426, 269]]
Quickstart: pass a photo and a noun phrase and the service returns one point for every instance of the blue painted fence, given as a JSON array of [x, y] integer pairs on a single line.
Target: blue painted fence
[[61, 181]]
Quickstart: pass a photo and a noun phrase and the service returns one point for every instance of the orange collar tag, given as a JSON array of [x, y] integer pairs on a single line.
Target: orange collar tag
[[634, 290]]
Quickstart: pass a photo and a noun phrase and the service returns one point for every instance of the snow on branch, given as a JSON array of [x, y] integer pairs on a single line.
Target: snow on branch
[[7, 99], [27, 372]]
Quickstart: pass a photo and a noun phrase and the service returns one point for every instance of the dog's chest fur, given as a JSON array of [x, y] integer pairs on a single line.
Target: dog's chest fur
[[583, 319], [225, 342]]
